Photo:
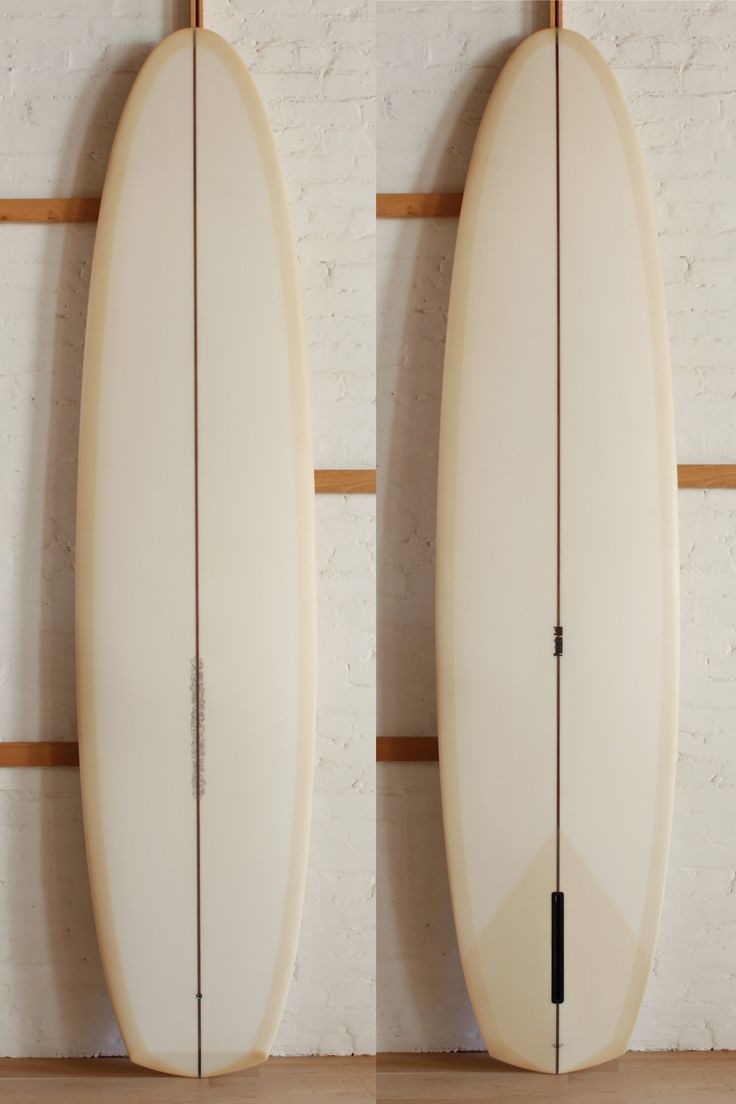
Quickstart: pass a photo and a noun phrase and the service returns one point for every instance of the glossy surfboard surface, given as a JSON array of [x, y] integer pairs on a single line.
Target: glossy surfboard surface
[[557, 508], [195, 574]]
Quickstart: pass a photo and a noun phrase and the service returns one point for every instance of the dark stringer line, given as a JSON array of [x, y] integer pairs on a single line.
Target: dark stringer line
[[557, 940], [197, 667]]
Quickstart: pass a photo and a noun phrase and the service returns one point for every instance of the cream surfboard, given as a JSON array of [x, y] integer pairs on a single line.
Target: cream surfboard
[[195, 578], [557, 608]]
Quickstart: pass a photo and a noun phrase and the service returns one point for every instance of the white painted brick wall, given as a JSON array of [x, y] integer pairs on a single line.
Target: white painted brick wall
[[676, 63], [64, 78], [65, 69]]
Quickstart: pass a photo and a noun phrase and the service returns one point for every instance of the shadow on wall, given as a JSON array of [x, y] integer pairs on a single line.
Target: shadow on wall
[[59, 999], [412, 316]]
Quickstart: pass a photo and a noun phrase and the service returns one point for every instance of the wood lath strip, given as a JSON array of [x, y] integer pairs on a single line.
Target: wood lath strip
[[65, 753], [407, 749], [345, 481], [418, 205], [79, 209], [705, 477], [40, 753]]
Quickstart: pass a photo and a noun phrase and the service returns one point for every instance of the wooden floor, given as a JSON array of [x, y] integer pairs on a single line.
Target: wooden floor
[[118, 1081], [684, 1077], [691, 1077]]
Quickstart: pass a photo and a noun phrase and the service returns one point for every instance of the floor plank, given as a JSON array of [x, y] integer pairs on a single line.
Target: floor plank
[[682, 1077], [118, 1081], [691, 1077]]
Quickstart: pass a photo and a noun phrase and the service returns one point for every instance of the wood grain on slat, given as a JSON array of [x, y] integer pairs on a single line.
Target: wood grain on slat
[[74, 209], [418, 205], [41, 753], [347, 481], [704, 476], [407, 749]]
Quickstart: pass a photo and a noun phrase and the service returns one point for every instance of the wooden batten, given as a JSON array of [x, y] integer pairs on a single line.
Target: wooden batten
[[706, 476], [72, 209], [39, 753], [407, 749], [418, 204], [345, 481]]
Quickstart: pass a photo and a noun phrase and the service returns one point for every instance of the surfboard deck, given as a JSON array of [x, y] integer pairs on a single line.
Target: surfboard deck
[[557, 533], [195, 572]]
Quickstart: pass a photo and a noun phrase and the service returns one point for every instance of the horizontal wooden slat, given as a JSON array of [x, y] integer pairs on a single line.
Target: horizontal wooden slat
[[346, 481], [73, 209], [407, 749], [705, 476], [86, 208], [57, 753], [418, 205], [363, 480], [41, 753]]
